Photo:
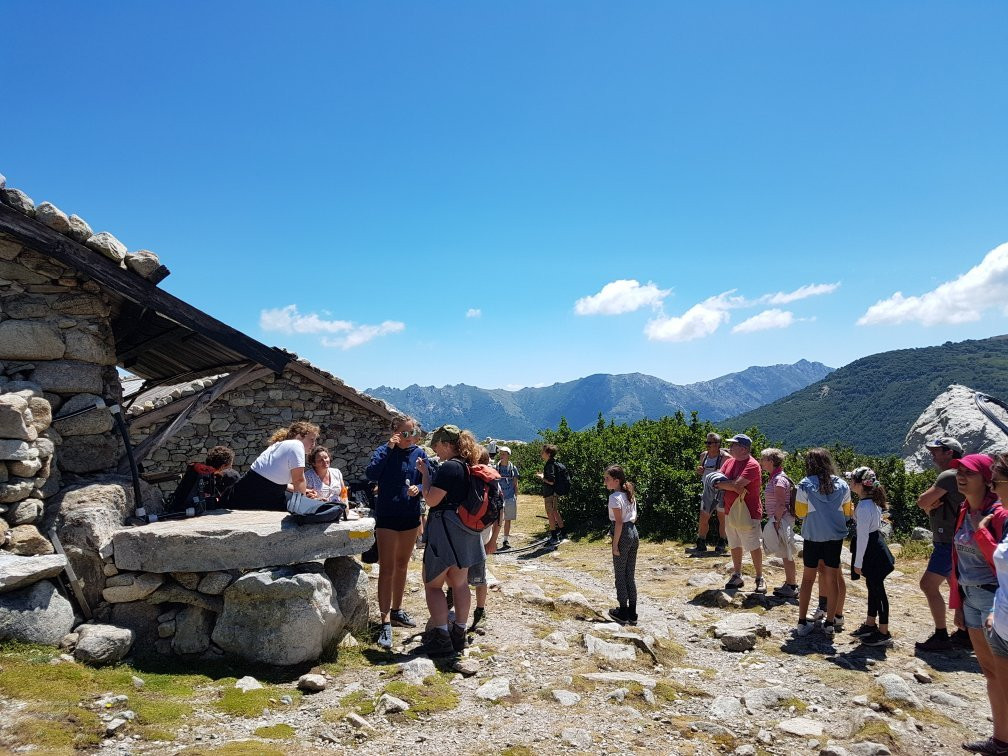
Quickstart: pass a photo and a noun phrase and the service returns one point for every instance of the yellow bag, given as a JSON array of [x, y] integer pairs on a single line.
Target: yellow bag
[[738, 515], [801, 508]]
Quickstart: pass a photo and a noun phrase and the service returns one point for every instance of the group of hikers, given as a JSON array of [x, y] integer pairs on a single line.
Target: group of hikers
[[425, 494]]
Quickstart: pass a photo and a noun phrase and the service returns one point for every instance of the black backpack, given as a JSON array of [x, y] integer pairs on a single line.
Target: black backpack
[[561, 479], [200, 489]]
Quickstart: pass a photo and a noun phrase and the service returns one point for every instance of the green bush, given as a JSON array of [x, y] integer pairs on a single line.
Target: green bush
[[660, 457]]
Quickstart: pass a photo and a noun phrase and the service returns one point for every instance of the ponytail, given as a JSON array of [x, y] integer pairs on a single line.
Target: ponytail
[[616, 472]]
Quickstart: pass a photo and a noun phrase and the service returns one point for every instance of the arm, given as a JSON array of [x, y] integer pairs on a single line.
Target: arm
[[738, 485], [985, 540], [377, 464], [700, 461], [862, 516], [617, 529], [298, 480], [930, 499]]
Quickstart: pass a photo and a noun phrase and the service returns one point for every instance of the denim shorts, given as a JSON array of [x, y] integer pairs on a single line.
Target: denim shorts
[[940, 562], [977, 604], [998, 644]]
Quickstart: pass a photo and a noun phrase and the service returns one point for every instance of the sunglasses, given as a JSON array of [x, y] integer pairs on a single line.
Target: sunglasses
[[999, 482], [410, 433]]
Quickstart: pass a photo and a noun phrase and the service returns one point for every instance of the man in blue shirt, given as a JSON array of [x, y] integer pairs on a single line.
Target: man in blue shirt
[[509, 487]]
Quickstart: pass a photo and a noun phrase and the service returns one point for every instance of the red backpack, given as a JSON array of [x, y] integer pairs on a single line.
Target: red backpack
[[484, 501]]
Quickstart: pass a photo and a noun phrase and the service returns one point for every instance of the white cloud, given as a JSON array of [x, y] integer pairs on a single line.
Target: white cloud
[[962, 300], [474, 312], [364, 333], [765, 321], [698, 321], [289, 320], [618, 297], [802, 292]]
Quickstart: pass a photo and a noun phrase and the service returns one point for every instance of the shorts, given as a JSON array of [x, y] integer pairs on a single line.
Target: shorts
[[826, 551], [998, 643], [748, 539], [399, 524], [551, 503], [511, 508], [477, 574], [977, 604], [940, 562]]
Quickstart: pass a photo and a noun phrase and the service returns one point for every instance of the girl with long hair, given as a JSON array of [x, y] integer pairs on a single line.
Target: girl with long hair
[[281, 467], [870, 557], [625, 540]]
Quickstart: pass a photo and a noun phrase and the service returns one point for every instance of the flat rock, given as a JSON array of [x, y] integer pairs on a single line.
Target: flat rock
[[868, 748], [312, 683], [942, 698], [607, 650], [727, 707], [566, 697], [747, 622], [801, 726], [214, 583], [226, 540], [390, 704], [416, 670], [704, 580], [555, 641], [20, 571], [577, 738], [35, 614], [14, 449], [27, 541], [738, 641], [123, 588], [247, 683], [761, 699], [495, 689], [620, 677], [898, 690], [102, 644], [176, 594]]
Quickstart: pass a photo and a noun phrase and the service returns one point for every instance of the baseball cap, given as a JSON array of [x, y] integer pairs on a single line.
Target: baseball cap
[[864, 475], [503, 449], [978, 463], [742, 439], [945, 442], [448, 433]]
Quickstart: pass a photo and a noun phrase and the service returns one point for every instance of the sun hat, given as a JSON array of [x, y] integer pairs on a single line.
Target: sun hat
[[503, 449], [978, 463]]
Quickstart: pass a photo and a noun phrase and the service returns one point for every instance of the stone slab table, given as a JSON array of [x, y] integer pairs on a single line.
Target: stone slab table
[[245, 539]]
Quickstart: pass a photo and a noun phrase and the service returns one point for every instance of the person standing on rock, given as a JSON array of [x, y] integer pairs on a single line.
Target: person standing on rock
[[712, 459], [279, 468], [509, 487], [625, 540], [942, 503], [743, 531], [870, 556], [973, 582], [823, 503], [393, 467], [452, 548]]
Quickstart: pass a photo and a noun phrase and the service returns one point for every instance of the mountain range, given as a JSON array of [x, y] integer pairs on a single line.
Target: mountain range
[[519, 415], [871, 403]]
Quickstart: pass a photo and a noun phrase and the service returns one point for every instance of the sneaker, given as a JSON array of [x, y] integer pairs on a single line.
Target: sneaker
[[804, 629], [829, 630], [988, 746], [877, 639], [864, 630], [935, 643], [505, 546], [736, 581], [819, 614], [722, 546], [701, 546], [479, 620], [838, 622], [457, 637], [385, 637], [760, 585], [961, 639], [786, 591], [437, 642], [401, 619], [620, 614]]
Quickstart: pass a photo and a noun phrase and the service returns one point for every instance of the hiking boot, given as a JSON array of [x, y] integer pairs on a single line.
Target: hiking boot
[[701, 546], [838, 622], [401, 619], [736, 581], [505, 546], [457, 637], [385, 637], [786, 591], [437, 642], [877, 639], [935, 643], [721, 547], [804, 629], [864, 630], [760, 585], [620, 614], [819, 614], [829, 630], [479, 620], [988, 746], [961, 639]]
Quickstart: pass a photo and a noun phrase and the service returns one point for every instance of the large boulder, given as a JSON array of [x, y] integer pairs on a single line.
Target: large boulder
[[954, 413], [193, 626], [20, 571], [26, 540], [13, 424], [97, 420], [67, 376], [89, 454], [36, 614], [102, 644], [30, 340], [350, 582], [279, 617]]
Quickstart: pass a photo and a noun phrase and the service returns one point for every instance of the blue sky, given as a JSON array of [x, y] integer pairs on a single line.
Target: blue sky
[[512, 194]]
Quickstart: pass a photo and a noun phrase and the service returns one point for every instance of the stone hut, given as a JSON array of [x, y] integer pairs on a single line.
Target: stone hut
[[75, 308]]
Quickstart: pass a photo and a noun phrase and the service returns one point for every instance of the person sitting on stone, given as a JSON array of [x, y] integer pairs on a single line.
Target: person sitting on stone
[[324, 481], [221, 459], [265, 484]]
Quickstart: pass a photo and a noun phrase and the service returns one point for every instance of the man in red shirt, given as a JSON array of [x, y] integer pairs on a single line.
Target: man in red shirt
[[743, 479]]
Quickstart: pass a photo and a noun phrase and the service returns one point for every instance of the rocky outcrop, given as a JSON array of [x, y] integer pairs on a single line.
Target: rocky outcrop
[[954, 413]]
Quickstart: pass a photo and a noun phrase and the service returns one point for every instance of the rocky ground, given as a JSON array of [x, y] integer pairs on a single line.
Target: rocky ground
[[552, 675]]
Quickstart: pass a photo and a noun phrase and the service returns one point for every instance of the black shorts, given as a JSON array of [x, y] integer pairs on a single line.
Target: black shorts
[[827, 551], [400, 524]]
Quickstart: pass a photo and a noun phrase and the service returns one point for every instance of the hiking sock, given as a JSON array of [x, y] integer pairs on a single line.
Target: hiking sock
[[803, 621], [941, 633], [478, 614], [822, 603], [443, 627]]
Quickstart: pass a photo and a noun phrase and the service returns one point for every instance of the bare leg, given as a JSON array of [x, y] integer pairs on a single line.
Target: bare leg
[[405, 542], [930, 584], [704, 526], [789, 572], [721, 524], [458, 578], [481, 596], [829, 582], [995, 686], [805, 591], [757, 561], [736, 557]]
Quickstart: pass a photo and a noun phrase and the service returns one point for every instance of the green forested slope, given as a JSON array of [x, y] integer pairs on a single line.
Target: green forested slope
[[871, 403]]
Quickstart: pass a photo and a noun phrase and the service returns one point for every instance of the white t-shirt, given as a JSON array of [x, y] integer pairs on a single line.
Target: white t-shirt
[[619, 500], [1001, 597], [279, 459]]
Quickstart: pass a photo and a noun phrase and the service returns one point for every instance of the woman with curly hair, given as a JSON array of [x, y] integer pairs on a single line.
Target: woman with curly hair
[[452, 548], [279, 468]]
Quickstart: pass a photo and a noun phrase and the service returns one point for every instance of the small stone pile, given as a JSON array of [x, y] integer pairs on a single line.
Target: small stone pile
[[25, 467]]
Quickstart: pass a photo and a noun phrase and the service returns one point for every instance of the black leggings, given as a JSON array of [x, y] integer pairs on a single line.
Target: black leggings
[[878, 601], [625, 564]]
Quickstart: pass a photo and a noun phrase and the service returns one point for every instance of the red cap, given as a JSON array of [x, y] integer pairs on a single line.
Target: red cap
[[978, 463]]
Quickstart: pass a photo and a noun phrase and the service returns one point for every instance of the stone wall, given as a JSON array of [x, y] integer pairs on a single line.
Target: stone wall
[[247, 416]]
